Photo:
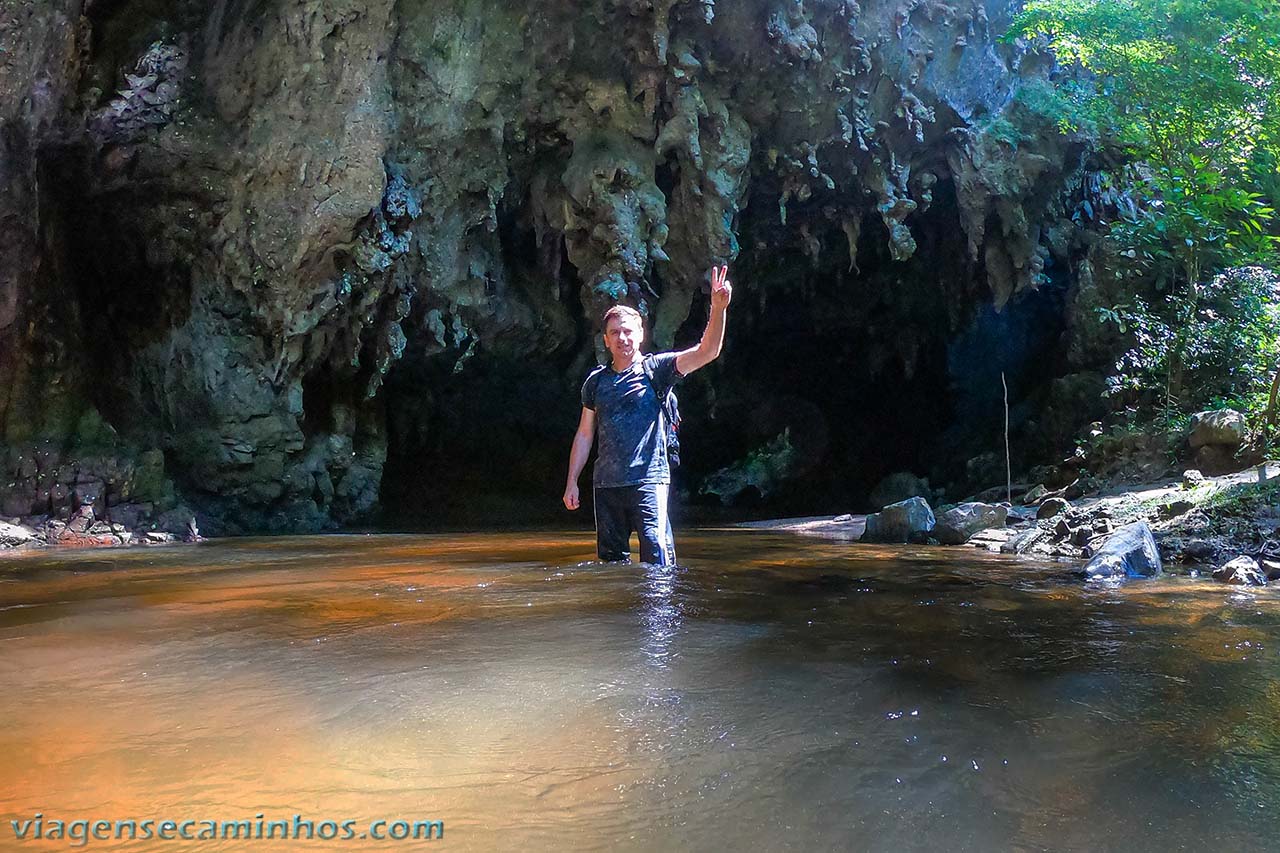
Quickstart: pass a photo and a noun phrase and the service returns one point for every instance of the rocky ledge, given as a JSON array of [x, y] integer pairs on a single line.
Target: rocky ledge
[[1228, 525]]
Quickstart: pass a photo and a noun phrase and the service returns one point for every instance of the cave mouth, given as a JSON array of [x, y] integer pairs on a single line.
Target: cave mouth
[[890, 366]]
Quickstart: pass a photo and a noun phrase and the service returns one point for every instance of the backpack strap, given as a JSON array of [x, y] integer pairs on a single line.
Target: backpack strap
[[668, 400], [593, 379]]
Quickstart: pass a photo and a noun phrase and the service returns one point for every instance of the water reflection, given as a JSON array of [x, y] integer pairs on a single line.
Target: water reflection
[[659, 613], [773, 694]]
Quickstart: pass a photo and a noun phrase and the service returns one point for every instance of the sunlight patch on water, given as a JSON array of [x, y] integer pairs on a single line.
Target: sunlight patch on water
[[772, 693]]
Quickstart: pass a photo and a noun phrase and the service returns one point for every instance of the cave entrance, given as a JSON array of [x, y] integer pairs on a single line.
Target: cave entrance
[[864, 369]]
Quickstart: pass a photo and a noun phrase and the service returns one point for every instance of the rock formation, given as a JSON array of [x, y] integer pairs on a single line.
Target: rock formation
[[253, 247]]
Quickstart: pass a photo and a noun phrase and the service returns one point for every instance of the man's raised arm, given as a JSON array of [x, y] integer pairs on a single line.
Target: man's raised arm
[[578, 453], [708, 349]]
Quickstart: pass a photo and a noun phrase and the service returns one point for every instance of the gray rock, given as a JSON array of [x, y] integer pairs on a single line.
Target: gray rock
[[13, 535], [1215, 459], [82, 519], [1130, 552], [906, 521], [1023, 541], [1199, 550], [1192, 478], [759, 473], [1242, 570], [1052, 507], [1176, 508], [993, 538], [1034, 495], [131, 515], [1074, 490], [175, 520], [958, 524], [1223, 428], [1018, 514]]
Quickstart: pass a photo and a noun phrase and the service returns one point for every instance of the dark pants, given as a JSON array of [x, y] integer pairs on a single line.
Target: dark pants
[[643, 509]]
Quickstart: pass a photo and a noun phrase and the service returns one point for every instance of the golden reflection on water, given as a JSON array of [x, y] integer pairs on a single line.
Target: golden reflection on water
[[776, 692]]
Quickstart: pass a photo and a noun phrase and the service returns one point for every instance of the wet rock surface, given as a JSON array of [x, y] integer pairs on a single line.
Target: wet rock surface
[[1129, 552], [911, 520], [959, 524], [1242, 570]]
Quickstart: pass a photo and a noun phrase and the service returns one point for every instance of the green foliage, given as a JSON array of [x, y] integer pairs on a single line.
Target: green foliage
[[1195, 218], [1171, 75], [1220, 353], [1191, 88], [1189, 91], [1002, 129], [1061, 104], [1045, 102], [1242, 499]]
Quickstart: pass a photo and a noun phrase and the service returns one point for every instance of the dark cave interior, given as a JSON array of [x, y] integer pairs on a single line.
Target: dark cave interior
[[894, 366]]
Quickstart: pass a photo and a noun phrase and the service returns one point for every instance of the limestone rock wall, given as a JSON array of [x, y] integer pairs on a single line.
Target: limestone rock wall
[[254, 238]]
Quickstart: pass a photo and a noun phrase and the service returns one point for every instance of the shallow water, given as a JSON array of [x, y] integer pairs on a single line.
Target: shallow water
[[779, 693]]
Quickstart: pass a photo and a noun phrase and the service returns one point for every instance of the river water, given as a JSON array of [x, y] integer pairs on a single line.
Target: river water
[[778, 693]]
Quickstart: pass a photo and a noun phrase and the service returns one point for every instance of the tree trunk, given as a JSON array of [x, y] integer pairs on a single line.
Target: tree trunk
[[1271, 401]]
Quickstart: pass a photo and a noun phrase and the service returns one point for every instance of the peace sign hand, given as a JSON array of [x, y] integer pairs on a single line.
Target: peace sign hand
[[721, 289]]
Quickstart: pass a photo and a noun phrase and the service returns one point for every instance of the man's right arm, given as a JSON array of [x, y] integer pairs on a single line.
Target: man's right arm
[[578, 453]]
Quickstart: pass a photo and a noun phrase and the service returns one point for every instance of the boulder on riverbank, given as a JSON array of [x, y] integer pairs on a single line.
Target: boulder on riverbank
[[957, 525], [1242, 570], [1215, 439], [1129, 552], [1223, 428], [905, 521], [1052, 507], [15, 535]]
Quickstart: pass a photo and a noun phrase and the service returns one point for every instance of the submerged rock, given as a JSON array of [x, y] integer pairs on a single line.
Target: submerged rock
[[906, 521], [958, 524], [1129, 552]]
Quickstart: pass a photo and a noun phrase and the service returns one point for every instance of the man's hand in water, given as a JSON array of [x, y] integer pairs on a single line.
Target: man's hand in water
[[721, 289], [571, 496]]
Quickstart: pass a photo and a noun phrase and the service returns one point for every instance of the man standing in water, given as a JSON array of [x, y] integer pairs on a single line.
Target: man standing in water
[[625, 398]]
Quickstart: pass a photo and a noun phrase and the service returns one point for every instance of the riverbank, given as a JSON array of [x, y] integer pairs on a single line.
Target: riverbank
[[1199, 523], [83, 531]]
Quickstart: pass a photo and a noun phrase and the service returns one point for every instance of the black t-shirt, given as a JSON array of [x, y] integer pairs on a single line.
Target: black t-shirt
[[631, 440]]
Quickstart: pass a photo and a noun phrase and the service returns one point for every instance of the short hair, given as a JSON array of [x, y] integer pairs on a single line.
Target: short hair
[[621, 311]]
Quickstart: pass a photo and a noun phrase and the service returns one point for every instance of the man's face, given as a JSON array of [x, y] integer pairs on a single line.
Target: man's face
[[622, 337]]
